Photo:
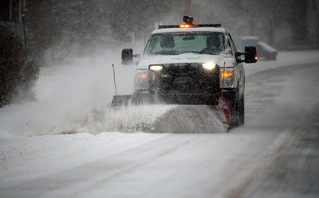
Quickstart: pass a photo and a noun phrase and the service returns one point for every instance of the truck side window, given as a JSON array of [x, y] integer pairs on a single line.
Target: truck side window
[[232, 44]]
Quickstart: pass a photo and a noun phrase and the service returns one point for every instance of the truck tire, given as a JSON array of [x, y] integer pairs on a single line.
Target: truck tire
[[232, 98]]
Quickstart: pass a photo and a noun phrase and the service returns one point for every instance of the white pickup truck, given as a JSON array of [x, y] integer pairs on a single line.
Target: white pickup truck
[[193, 64]]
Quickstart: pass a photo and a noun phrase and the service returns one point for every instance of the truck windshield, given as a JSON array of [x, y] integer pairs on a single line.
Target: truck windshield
[[181, 43]]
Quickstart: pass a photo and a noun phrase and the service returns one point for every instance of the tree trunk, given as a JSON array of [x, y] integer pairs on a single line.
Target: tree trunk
[[316, 11], [299, 23]]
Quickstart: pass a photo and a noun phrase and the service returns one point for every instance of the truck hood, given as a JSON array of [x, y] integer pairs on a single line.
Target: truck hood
[[145, 61]]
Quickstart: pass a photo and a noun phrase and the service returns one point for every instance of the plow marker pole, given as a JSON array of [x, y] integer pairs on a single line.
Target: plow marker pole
[[114, 79]]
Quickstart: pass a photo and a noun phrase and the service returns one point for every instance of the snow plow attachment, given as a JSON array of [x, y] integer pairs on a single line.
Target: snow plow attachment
[[121, 100]]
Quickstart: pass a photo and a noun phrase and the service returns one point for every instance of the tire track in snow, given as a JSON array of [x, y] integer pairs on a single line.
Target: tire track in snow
[[130, 169], [268, 159], [259, 159], [53, 185]]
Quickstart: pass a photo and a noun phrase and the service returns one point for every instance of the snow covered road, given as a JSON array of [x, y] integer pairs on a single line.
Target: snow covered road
[[275, 154]]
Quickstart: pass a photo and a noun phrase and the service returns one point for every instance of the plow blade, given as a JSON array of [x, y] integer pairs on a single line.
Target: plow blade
[[121, 99]]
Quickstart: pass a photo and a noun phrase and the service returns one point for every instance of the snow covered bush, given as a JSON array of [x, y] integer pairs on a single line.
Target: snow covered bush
[[18, 72]]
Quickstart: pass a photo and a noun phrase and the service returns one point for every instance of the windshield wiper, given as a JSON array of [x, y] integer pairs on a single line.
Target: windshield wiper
[[190, 52], [167, 53]]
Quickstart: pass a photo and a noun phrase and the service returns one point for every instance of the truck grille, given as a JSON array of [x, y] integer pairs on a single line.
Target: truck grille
[[188, 78]]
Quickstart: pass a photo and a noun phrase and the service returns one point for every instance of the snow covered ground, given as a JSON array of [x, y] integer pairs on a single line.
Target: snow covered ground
[[72, 143]]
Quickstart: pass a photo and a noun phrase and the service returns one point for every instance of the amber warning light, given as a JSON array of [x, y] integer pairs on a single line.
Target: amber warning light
[[227, 74], [187, 25]]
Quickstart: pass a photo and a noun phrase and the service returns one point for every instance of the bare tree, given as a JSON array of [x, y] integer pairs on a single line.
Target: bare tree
[[316, 11]]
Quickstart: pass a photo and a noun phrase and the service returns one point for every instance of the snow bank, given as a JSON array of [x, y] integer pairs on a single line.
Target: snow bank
[[24, 158]]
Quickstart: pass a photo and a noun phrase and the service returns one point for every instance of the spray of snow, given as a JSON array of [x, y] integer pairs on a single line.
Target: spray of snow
[[153, 118], [76, 97]]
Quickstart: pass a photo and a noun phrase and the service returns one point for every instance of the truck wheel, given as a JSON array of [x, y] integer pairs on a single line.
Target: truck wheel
[[237, 109], [238, 112]]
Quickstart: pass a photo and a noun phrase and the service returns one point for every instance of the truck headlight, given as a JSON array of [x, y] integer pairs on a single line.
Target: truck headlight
[[156, 67], [227, 77], [141, 80], [209, 66]]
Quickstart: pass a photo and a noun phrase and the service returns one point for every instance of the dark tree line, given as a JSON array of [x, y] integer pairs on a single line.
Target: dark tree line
[[285, 24], [18, 67], [116, 18]]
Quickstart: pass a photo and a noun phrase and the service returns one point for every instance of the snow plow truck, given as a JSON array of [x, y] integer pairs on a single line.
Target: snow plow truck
[[191, 64]]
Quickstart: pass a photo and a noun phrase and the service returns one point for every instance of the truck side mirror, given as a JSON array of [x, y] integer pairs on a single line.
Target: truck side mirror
[[127, 56], [250, 54]]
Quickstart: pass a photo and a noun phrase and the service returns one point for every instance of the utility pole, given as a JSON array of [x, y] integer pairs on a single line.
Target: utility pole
[[10, 11], [146, 21], [20, 12]]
